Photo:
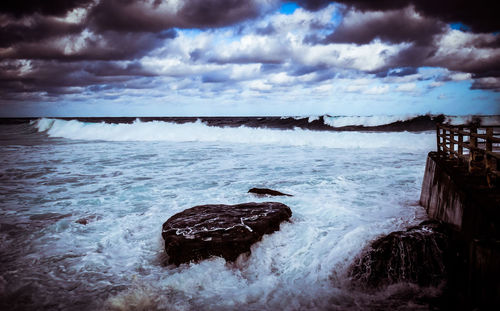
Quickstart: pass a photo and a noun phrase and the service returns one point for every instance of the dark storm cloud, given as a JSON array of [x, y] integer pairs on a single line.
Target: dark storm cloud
[[395, 26], [216, 13], [38, 29], [54, 77], [473, 62], [102, 69], [113, 23], [70, 53], [395, 22], [99, 51], [108, 45], [487, 84], [479, 15], [143, 16], [313, 4], [20, 8]]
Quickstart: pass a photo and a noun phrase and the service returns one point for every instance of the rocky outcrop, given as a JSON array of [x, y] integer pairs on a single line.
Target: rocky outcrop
[[220, 230], [265, 191], [417, 255]]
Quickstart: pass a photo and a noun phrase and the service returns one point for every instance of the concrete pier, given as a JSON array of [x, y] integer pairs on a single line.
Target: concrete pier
[[472, 209]]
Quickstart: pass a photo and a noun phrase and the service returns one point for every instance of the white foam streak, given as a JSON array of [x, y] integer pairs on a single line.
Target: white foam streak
[[364, 120], [200, 132]]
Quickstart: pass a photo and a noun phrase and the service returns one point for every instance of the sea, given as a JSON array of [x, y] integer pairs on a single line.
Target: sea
[[83, 201]]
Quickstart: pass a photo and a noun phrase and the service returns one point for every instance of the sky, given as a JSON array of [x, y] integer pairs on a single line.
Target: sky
[[248, 58]]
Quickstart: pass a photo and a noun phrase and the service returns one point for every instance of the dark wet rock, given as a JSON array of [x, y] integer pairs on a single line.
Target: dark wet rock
[[48, 216], [86, 220], [417, 255], [265, 191], [220, 230]]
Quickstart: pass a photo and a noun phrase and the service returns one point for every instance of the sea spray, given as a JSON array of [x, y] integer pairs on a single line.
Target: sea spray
[[348, 189], [200, 132]]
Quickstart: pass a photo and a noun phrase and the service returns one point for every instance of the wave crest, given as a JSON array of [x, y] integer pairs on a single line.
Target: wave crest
[[201, 132]]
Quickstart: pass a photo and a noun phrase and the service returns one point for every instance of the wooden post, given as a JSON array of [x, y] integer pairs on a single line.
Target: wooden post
[[473, 139], [438, 139], [473, 167], [460, 141], [447, 141], [452, 144], [489, 147], [491, 178], [444, 142], [460, 145]]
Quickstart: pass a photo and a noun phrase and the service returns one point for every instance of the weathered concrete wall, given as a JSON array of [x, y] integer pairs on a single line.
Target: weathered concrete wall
[[441, 198], [472, 210]]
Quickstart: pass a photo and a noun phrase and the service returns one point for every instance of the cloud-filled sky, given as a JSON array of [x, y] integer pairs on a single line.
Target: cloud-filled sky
[[248, 57]]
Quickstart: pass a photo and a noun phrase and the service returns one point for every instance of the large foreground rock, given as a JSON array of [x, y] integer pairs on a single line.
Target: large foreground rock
[[417, 255], [220, 230]]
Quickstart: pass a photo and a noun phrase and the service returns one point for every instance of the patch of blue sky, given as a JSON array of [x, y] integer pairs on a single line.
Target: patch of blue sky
[[224, 35], [337, 16], [288, 8], [189, 32], [463, 27], [428, 73], [456, 98], [459, 26]]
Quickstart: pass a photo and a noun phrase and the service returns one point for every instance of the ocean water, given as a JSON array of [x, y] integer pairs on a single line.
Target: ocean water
[[127, 179]]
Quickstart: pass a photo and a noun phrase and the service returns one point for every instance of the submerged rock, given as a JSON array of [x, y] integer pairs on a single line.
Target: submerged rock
[[265, 191], [417, 255], [87, 220], [220, 230]]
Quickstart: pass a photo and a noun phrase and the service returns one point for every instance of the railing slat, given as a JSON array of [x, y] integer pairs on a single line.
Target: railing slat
[[482, 147]]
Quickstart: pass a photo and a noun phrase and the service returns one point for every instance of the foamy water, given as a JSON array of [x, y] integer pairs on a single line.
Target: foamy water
[[349, 188]]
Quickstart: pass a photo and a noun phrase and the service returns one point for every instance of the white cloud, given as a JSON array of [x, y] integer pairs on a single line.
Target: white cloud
[[377, 90], [368, 57], [460, 76], [436, 84], [406, 87], [259, 85]]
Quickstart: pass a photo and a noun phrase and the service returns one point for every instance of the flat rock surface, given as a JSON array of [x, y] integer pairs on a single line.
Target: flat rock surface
[[265, 191], [220, 230]]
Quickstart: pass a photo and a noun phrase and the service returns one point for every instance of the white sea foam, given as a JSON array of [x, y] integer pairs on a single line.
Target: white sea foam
[[345, 196], [200, 132], [312, 118], [341, 121]]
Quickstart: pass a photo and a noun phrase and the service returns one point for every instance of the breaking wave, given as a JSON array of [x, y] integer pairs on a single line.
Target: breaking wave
[[380, 123], [200, 132]]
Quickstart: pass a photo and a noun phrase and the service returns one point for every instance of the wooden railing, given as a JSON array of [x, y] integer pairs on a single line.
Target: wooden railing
[[477, 147]]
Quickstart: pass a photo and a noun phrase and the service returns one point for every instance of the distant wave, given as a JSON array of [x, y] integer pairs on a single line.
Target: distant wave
[[366, 121], [380, 123], [201, 132], [407, 122]]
